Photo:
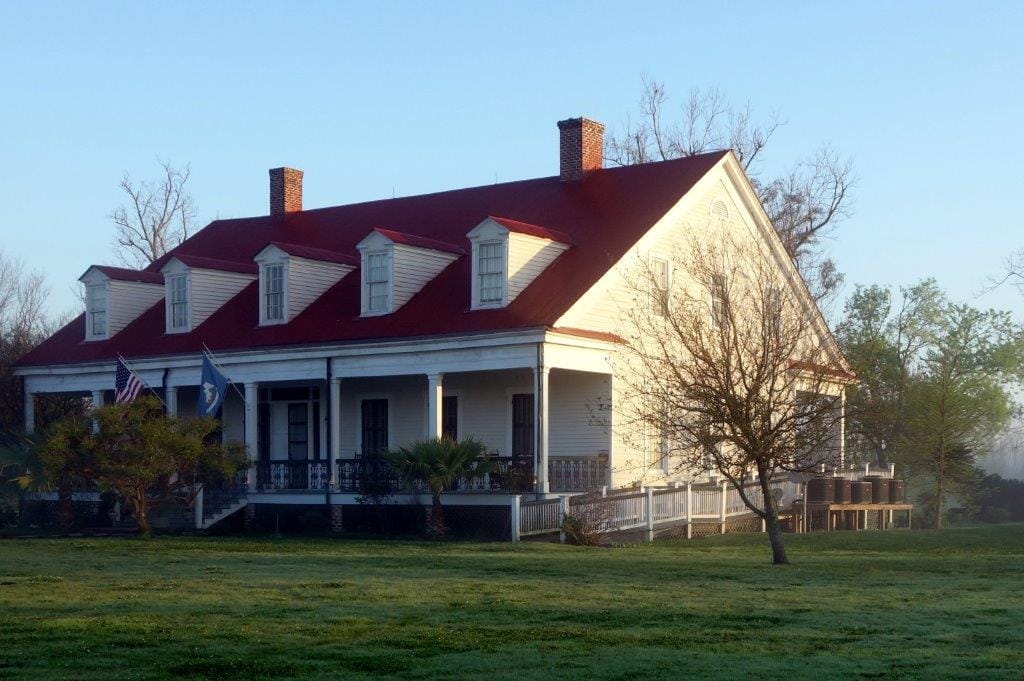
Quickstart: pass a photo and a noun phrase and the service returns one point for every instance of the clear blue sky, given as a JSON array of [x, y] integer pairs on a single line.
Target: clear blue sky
[[926, 97]]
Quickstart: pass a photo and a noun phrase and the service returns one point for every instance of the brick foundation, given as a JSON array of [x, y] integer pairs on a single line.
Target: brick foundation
[[337, 525]]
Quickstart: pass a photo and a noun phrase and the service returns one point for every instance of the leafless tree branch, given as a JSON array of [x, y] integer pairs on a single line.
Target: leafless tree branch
[[158, 216]]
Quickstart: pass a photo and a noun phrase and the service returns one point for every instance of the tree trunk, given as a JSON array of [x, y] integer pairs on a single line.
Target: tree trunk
[[139, 503], [771, 520], [779, 556], [65, 511], [938, 500], [436, 525]]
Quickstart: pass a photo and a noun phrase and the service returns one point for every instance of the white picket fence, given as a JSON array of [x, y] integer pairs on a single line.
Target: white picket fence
[[632, 509]]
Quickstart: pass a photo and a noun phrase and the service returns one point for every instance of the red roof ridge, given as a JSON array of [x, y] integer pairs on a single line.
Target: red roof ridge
[[418, 241], [314, 253], [532, 230], [204, 263]]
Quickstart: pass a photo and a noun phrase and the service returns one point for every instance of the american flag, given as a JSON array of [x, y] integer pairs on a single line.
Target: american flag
[[127, 385]]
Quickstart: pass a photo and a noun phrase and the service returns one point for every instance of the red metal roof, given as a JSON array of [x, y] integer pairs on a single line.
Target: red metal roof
[[124, 274], [201, 262], [321, 254], [604, 214], [533, 230], [419, 241]]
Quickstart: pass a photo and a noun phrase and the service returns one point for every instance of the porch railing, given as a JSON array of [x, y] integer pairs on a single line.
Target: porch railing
[[292, 475], [220, 495], [636, 508], [512, 474]]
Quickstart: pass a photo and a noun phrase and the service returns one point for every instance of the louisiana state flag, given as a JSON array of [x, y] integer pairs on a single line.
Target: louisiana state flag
[[212, 388]]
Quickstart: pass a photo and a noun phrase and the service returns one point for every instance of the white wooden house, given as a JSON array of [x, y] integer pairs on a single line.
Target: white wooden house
[[488, 312]]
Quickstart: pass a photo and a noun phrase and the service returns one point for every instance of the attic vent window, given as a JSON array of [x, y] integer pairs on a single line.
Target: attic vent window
[[719, 209]]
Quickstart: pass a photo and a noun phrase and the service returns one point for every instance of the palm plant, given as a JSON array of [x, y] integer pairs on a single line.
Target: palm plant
[[439, 463]]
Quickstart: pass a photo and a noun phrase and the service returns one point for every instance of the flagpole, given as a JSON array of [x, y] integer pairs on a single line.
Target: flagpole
[[148, 386], [217, 365]]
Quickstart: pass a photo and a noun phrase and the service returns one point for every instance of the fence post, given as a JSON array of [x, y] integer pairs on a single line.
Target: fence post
[[689, 509], [650, 513], [513, 512], [721, 518], [198, 509], [563, 510]]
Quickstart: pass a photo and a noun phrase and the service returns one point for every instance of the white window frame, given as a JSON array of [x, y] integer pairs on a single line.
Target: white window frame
[[656, 286], [265, 318], [171, 279], [502, 274], [104, 295], [388, 283]]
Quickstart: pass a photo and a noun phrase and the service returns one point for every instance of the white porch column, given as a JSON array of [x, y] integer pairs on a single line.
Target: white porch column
[[251, 430], [171, 398], [335, 423], [435, 394], [540, 426], [324, 452], [842, 428], [97, 402], [30, 412]]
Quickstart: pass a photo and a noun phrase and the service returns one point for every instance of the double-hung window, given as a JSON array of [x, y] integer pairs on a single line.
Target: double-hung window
[[97, 303], [273, 292], [491, 271], [377, 282], [177, 292]]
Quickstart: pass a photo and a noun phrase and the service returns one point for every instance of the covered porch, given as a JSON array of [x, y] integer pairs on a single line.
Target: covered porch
[[328, 435]]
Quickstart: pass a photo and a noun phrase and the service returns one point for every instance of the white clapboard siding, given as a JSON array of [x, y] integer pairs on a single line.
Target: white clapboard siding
[[578, 426], [210, 289], [309, 279], [412, 267], [126, 300], [528, 256]]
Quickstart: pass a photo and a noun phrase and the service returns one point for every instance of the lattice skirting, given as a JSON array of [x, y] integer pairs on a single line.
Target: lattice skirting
[[705, 529], [743, 525]]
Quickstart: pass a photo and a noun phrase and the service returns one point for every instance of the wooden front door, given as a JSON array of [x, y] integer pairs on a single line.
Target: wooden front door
[[522, 425], [374, 426]]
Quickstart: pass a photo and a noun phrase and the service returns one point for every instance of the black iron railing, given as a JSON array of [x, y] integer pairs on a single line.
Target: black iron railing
[[223, 494], [292, 475], [375, 476]]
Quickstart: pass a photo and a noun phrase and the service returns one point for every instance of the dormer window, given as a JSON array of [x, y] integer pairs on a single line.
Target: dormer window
[[491, 271], [273, 293], [115, 297], [395, 266], [507, 256], [96, 304], [378, 281], [177, 302], [293, 276]]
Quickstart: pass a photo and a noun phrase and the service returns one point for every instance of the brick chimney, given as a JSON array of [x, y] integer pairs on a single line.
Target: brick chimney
[[580, 147], [285, 191]]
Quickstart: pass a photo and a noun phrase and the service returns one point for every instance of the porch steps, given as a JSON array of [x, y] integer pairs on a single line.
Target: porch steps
[[211, 519]]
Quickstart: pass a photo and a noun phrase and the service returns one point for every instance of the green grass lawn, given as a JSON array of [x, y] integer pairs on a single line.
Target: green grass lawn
[[896, 604]]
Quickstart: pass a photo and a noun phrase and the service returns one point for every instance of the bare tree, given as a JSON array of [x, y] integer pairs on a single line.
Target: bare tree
[[158, 216], [804, 205], [23, 325], [1013, 273], [728, 371]]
